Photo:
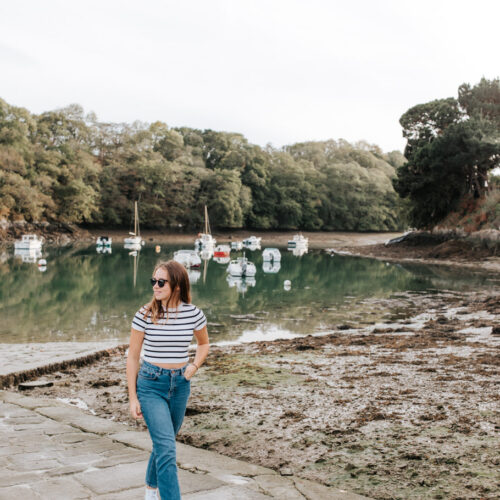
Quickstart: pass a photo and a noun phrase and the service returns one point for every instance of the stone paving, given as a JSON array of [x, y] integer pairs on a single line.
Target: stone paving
[[49, 450], [17, 358]]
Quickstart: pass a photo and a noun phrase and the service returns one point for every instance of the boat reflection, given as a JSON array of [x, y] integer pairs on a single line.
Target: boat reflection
[[271, 266], [241, 284], [299, 251], [28, 255], [103, 249], [193, 275]]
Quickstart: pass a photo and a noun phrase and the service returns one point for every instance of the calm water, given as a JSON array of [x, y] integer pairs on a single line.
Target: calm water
[[85, 296]]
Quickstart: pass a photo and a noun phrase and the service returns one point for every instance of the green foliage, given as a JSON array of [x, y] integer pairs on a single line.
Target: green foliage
[[66, 166], [452, 146]]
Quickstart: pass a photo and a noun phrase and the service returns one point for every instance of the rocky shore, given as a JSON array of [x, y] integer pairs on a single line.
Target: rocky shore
[[404, 408]]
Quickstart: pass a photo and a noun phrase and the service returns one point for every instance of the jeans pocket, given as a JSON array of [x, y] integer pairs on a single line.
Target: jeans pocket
[[147, 375]]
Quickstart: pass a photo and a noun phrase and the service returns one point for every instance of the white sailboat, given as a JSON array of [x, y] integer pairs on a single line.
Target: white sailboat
[[188, 258], [134, 241], [205, 241], [242, 267]]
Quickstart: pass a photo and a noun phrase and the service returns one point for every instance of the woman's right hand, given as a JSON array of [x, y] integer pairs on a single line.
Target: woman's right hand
[[135, 409]]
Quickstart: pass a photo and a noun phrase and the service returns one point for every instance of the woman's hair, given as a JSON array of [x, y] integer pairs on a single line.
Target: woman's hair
[[179, 284]]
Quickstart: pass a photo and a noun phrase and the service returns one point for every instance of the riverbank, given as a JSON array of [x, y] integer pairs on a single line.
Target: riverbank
[[405, 408], [358, 244]]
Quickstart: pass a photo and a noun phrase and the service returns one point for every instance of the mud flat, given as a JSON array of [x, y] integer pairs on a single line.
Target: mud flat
[[408, 407]]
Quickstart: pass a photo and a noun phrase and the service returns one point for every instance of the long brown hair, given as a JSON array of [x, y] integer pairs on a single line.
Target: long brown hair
[[179, 284]]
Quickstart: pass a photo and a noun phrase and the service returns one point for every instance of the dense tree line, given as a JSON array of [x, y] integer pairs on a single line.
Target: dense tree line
[[66, 166], [452, 146]]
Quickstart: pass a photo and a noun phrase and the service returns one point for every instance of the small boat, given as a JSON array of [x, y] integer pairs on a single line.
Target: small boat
[[103, 241], [252, 242], [241, 267], [298, 241], [236, 245], [188, 258], [29, 242], [222, 251], [134, 239], [205, 241], [271, 254]]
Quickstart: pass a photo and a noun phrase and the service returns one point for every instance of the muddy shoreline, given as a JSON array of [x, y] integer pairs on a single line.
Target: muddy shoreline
[[405, 408]]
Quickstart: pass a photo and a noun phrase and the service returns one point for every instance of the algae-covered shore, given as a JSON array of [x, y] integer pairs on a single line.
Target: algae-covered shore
[[407, 407]]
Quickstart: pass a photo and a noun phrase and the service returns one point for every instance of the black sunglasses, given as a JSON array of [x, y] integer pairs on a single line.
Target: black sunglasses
[[161, 283]]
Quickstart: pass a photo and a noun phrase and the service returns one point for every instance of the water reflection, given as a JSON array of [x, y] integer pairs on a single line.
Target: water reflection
[[84, 295]]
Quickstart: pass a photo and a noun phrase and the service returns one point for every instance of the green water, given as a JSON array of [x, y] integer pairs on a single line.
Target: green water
[[85, 296]]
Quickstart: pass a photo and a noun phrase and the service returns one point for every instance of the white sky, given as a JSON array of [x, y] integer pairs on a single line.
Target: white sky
[[278, 71]]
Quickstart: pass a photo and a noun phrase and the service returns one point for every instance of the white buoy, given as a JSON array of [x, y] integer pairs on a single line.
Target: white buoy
[[287, 285]]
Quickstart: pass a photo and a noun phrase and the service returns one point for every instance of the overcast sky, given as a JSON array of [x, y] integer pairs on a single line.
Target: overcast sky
[[278, 71]]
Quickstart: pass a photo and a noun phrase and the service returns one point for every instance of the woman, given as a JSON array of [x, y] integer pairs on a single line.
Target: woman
[[159, 390]]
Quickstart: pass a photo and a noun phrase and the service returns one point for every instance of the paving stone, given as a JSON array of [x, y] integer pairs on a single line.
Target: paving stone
[[227, 493], [73, 437], [11, 477], [278, 487], [124, 457], [28, 419], [23, 492], [133, 494], [11, 410], [316, 491], [113, 479], [138, 439], [67, 470], [75, 417], [27, 402], [191, 483], [60, 489], [215, 463]]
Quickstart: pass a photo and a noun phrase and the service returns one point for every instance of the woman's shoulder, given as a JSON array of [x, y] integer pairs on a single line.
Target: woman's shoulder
[[190, 307], [143, 309]]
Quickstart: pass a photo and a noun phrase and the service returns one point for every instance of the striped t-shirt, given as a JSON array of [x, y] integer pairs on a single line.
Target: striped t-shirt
[[168, 340]]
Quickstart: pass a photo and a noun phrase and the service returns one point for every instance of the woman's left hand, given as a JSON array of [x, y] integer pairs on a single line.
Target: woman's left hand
[[190, 371]]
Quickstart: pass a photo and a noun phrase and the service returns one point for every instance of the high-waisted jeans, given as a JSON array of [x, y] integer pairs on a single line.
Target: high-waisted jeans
[[163, 395]]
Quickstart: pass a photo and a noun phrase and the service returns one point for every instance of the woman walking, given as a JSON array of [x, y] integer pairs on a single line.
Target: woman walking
[[159, 388]]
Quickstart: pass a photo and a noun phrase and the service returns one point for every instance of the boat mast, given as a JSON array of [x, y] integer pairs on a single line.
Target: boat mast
[[207, 223], [136, 220]]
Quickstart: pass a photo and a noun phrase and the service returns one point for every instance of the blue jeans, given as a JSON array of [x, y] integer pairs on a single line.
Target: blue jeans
[[163, 395]]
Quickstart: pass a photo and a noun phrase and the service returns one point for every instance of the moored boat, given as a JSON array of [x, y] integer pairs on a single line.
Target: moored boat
[[29, 242], [236, 245], [298, 241], [222, 251], [252, 242], [241, 267], [205, 241], [103, 241], [134, 240], [188, 258]]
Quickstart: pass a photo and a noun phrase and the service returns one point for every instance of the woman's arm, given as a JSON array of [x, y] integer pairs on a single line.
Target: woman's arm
[[202, 348], [134, 353]]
